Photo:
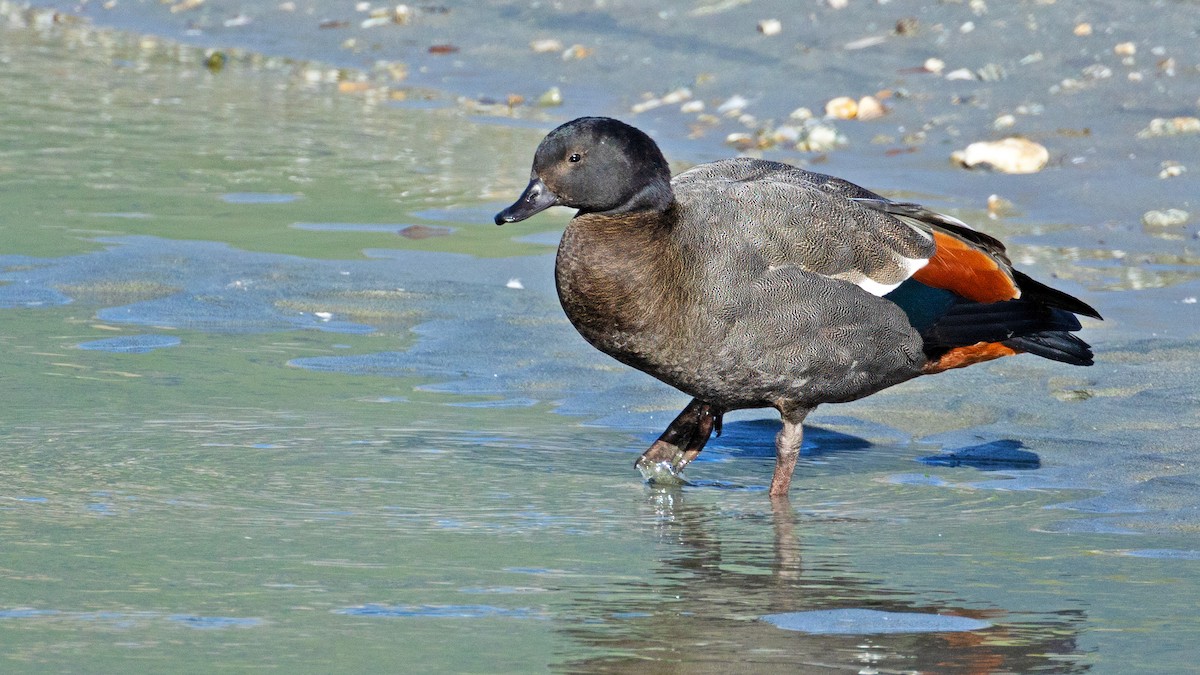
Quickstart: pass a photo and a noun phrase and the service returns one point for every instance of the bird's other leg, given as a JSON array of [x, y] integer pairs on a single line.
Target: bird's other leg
[[787, 448], [684, 438]]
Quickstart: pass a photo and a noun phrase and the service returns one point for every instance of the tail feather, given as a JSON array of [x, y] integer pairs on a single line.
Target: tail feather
[[1033, 289], [1056, 346]]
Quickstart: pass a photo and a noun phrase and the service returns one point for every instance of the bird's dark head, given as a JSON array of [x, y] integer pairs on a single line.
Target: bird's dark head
[[596, 165]]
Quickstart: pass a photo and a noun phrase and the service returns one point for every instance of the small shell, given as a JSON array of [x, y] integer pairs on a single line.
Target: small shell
[[842, 108], [1165, 218], [1172, 169], [999, 206], [1170, 126], [546, 45], [770, 26], [740, 140], [869, 108], [733, 105], [1125, 49], [576, 52], [1009, 155], [551, 97]]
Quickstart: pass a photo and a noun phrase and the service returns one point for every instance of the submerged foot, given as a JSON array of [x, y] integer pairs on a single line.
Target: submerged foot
[[683, 440]]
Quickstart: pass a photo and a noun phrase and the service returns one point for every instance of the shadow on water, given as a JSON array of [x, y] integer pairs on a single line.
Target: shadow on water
[[1002, 455], [719, 602]]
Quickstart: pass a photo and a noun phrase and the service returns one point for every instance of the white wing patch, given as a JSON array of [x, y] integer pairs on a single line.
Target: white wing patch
[[909, 265]]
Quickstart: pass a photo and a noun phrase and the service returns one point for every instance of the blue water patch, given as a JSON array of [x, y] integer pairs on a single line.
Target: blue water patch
[[1164, 554], [551, 238], [501, 590], [436, 611], [21, 294], [499, 403], [131, 344], [258, 198], [461, 214], [32, 500], [871, 622], [24, 613], [214, 622], [917, 479], [349, 227]]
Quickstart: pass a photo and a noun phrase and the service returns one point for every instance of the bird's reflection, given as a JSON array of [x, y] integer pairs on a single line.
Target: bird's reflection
[[700, 610]]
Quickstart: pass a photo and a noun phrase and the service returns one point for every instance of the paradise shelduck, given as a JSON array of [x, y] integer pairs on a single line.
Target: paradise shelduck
[[748, 283]]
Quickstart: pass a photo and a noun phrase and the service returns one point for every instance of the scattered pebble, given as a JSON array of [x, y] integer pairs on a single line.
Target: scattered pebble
[[185, 6], [1125, 49], [1009, 155], [1170, 126], [1006, 121], [552, 97], [991, 72], [443, 49], [692, 107], [1165, 218], [870, 108], [837, 4], [576, 52], [999, 206], [810, 135], [960, 74], [741, 140], [841, 108], [863, 43], [908, 26], [733, 105], [515, 283], [820, 138], [1083, 29], [770, 26], [934, 65], [1172, 169], [402, 14], [546, 45], [677, 96]]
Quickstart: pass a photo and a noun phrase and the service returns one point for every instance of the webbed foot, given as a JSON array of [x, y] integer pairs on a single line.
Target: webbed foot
[[683, 440]]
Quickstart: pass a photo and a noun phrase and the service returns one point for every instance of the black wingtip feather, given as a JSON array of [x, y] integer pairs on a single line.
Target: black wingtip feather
[[1056, 346], [1032, 289]]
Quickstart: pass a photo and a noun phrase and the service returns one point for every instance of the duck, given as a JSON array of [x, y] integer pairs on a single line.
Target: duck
[[748, 283]]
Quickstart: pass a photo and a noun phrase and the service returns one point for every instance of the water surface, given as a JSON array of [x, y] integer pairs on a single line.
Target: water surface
[[234, 436]]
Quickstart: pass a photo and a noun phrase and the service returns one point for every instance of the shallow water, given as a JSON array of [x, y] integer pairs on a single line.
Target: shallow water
[[248, 423]]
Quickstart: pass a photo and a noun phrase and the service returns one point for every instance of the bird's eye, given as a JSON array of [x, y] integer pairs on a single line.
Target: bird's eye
[[575, 157]]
